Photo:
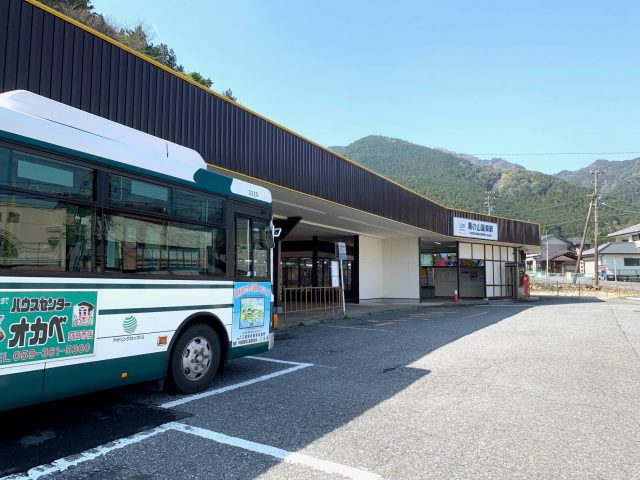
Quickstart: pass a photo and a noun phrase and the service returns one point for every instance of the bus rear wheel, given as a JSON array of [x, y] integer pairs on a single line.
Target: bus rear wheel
[[195, 359]]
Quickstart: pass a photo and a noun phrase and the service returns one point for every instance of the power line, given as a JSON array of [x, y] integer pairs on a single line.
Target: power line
[[508, 154], [578, 220], [558, 153], [545, 208], [620, 209]]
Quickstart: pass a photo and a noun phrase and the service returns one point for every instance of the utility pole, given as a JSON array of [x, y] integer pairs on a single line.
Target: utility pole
[[596, 201], [489, 201], [546, 275], [584, 237]]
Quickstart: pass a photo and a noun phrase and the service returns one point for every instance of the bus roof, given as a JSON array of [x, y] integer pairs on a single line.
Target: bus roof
[[32, 116]]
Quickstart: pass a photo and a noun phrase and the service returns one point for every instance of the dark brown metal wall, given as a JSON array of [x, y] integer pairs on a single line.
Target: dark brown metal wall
[[51, 57]]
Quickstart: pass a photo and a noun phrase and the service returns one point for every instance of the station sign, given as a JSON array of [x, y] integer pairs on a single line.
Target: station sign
[[342, 251], [335, 274], [466, 227]]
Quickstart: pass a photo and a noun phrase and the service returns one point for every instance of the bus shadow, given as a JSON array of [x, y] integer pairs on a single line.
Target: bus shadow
[[40, 434]]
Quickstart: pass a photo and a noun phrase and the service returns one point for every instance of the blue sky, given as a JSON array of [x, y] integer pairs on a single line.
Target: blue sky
[[474, 77]]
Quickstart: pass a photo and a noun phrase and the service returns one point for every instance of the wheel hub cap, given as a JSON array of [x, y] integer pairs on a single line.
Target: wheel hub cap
[[196, 358]]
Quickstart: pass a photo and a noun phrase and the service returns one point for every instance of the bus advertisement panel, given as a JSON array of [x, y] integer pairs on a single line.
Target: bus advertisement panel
[[251, 313], [46, 325]]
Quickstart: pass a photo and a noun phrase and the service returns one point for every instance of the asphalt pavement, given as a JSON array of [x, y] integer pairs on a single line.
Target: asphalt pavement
[[545, 390]]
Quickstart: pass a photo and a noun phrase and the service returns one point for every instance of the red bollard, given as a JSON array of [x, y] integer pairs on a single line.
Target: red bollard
[[455, 296]]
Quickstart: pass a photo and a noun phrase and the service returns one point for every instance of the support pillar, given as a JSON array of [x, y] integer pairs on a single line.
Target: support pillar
[[287, 225]]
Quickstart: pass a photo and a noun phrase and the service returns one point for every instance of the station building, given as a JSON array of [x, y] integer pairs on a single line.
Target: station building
[[400, 245]]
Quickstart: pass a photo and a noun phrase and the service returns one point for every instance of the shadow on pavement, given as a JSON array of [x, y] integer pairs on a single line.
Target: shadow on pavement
[[566, 300], [357, 366]]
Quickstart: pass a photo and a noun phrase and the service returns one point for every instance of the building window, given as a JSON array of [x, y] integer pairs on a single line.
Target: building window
[[632, 262]]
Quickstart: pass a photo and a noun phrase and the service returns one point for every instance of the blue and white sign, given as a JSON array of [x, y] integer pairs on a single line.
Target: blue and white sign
[[342, 251], [466, 227], [251, 313]]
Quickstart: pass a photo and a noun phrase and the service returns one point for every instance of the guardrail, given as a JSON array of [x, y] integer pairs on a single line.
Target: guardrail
[[558, 278], [565, 284], [306, 299], [585, 279]]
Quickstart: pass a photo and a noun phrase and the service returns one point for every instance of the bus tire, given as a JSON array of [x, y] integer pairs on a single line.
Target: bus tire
[[195, 359]]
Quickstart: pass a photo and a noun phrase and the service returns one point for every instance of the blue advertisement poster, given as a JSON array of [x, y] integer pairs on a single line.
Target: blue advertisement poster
[[251, 313]]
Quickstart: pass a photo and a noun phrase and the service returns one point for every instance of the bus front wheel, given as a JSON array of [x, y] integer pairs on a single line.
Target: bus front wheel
[[195, 359]]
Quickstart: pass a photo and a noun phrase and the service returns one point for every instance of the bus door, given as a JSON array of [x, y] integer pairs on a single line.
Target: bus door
[[252, 326]]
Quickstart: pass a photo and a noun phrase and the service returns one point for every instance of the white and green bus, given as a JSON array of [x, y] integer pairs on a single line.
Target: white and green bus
[[122, 258]]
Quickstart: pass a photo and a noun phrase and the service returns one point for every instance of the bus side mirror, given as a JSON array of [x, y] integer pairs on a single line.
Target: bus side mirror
[[267, 235]]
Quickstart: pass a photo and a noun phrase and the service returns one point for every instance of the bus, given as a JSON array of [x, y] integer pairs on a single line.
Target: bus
[[123, 259]]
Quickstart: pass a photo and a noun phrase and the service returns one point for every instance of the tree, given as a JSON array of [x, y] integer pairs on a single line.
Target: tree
[[165, 55], [136, 38], [202, 80], [229, 94], [82, 11], [68, 4]]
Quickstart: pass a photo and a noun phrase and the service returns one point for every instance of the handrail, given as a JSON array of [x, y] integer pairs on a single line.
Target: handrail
[[305, 299]]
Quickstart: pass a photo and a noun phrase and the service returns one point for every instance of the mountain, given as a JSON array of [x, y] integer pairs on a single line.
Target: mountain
[[458, 181], [621, 181], [494, 162], [336, 148]]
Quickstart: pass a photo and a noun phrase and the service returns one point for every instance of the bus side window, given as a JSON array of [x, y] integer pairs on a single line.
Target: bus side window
[[243, 247], [252, 248], [260, 249], [39, 234]]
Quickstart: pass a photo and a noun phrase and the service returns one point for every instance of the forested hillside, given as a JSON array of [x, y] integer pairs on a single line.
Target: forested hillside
[[453, 180], [622, 179]]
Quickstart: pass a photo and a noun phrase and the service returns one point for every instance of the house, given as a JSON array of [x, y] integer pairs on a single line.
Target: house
[[588, 243], [629, 234], [560, 252], [619, 258]]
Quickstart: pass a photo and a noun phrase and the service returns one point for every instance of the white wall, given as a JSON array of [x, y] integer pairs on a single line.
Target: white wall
[[401, 268], [370, 267], [389, 268]]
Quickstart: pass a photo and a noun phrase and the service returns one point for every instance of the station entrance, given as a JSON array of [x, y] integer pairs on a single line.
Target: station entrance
[[308, 263], [475, 270], [438, 269]]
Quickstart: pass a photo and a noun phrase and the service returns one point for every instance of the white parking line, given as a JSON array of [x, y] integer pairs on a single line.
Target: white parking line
[[235, 386], [353, 328], [288, 457], [276, 360], [326, 466], [508, 305], [63, 464]]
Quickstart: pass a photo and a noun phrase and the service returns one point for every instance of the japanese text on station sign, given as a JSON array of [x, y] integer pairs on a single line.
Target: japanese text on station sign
[[466, 227]]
